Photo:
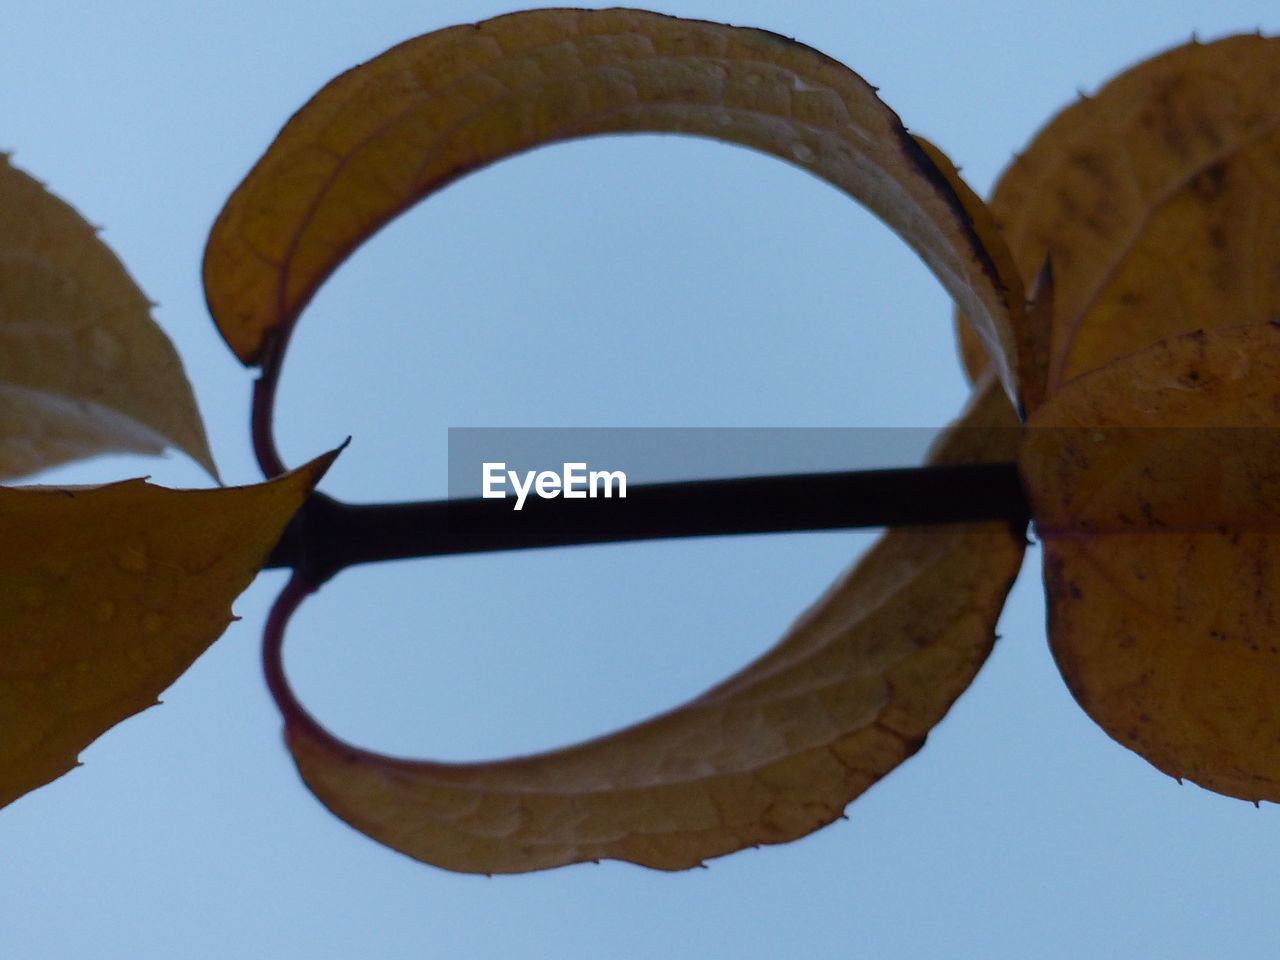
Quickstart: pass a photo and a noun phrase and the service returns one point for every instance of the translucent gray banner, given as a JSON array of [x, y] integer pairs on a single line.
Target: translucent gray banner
[[658, 454]]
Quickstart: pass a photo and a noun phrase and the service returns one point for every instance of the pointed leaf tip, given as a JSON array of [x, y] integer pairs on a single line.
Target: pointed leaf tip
[[83, 368], [108, 594]]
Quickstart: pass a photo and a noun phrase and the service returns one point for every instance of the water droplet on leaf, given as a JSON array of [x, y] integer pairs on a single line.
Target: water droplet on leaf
[[802, 152], [105, 349], [134, 559]]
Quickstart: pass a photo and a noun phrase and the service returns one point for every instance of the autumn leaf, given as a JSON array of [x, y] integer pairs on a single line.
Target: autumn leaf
[[1157, 200], [1155, 484], [107, 594], [769, 755], [83, 368], [394, 130]]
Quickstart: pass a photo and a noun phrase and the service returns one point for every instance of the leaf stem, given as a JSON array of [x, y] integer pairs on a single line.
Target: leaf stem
[[328, 535], [262, 416], [290, 598]]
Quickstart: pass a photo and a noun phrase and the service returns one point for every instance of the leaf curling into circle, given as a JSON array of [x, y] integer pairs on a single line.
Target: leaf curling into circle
[[392, 131], [769, 755]]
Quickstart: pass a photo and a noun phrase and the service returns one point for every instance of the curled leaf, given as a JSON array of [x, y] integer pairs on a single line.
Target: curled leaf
[[1156, 200], [83, 368], [769, 755], [1155, 485], [394, 130], [107, 594], [1032, 339]]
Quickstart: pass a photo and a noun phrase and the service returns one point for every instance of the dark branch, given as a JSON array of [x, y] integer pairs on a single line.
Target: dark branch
[[328, 535]]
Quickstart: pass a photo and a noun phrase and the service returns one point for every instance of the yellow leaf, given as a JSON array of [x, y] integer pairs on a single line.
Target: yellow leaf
[[1155, 485], [1158, 201], [396, 129], [83, 368], [107, 594], [771, 754]]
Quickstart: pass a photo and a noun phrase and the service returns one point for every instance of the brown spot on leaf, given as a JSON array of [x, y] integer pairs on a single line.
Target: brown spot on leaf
[[1210, 183]]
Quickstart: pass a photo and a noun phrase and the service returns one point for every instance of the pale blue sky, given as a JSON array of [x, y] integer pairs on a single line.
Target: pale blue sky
[[629, 282]]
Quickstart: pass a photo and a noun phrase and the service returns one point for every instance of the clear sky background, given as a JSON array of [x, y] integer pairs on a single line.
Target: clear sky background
[[641, 281]]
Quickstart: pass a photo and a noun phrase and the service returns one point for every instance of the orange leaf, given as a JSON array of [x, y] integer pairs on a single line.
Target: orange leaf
[[1155, 484], [398, 128], [107, 594], [771, 754], [1158, 201], [83, 368]]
